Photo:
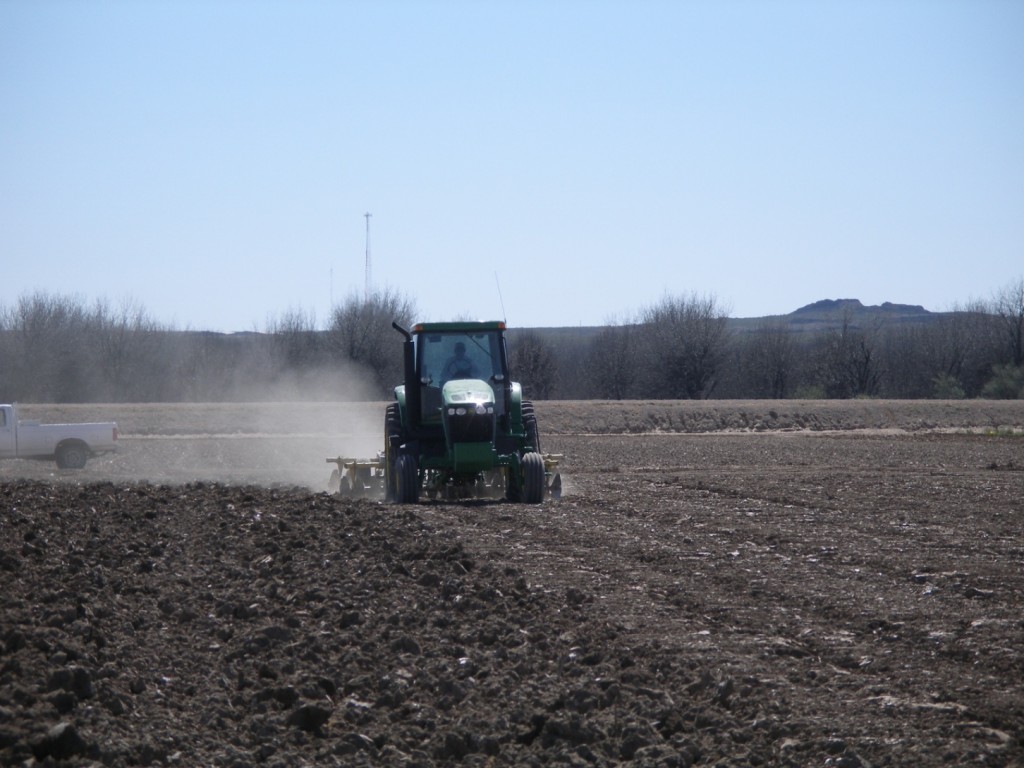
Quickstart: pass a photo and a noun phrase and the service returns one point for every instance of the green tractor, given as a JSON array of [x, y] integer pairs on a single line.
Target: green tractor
[[459, 427]]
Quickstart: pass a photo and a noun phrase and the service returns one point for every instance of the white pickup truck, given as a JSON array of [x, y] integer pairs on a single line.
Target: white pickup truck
[[70, 445]]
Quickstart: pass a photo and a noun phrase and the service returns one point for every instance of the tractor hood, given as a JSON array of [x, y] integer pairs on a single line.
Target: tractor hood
[[469, 421], [473, 395]]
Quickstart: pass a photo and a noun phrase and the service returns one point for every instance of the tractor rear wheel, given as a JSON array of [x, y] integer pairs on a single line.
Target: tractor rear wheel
[[392, 439], [407, 479], [530, 426]]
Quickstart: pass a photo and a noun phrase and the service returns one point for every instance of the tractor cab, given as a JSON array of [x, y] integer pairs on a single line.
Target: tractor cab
[[462, 366]]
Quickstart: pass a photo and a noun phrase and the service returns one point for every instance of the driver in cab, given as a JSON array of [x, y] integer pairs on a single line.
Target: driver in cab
[[460, 365]]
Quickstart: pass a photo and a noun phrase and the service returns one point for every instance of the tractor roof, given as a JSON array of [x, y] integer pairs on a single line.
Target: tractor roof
[[488, 325]]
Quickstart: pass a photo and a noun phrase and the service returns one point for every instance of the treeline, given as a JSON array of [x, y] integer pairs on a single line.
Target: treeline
[[687, 348], [60, 349]]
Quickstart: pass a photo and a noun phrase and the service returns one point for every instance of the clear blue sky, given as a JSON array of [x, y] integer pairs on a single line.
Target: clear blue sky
[[212, 159]]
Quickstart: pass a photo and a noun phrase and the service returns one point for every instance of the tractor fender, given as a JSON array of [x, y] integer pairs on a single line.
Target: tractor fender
[[400, 399], [515, 407]]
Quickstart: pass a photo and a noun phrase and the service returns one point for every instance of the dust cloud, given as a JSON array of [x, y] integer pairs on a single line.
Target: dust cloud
[[279, 436]]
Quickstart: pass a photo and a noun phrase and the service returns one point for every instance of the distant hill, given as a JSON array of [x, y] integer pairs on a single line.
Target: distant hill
[[817, 316], [829, 313], [854, 305]]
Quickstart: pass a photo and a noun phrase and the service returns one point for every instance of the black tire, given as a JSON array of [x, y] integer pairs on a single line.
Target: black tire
[[407, 480], [530, 427], [72, 456], [514, 484], [514, 488], [392, 439], [533, 478]]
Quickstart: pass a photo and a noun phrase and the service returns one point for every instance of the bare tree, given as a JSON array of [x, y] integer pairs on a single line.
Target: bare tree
[[296, 340], [1008, 307], [771, 354], [132, 353], [684, 340], [850, 365], [204, 369], [533, 364], [51, 347], [360, 332], [613, 360], [949, 356]]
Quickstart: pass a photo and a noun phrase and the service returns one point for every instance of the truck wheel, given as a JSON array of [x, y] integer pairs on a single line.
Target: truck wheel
[[533, 478], [407, 480], [72, 456]]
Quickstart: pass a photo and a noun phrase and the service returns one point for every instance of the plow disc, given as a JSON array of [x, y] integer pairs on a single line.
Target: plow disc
[[357, 478], [365, 478]]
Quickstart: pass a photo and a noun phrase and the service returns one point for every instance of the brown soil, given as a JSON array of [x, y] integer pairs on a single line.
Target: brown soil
[[829, 585]]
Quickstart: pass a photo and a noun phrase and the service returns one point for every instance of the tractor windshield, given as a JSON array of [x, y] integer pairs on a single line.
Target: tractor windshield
[[460, 355]]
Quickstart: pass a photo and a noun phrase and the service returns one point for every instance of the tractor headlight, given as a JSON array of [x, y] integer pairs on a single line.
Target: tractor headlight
[[479, 409], [470, 419]]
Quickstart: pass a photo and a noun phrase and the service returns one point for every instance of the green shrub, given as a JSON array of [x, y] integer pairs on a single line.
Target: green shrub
[[810, 392], [1007, 383], [946, 387]]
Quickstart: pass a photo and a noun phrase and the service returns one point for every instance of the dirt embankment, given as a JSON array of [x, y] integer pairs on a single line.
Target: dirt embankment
[[559, 417], [702, 416]]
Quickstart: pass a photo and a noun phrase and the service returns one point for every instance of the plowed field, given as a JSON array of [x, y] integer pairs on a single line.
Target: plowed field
[[797, 584]]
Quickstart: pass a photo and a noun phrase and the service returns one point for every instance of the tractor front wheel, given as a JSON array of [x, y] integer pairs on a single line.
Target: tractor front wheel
[[526, 484], [533, 478]]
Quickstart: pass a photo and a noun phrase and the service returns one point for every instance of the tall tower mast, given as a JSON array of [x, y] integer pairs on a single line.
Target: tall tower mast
[[368, 280]]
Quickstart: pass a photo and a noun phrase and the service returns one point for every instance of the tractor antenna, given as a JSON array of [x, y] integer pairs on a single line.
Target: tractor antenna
[[504, 317], [368, 281]]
